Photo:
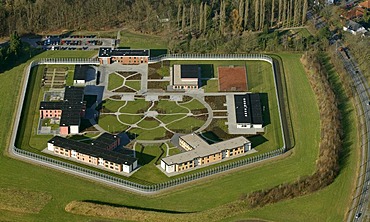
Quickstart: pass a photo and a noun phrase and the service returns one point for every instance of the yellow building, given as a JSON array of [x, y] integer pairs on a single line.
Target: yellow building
[[199, 152]]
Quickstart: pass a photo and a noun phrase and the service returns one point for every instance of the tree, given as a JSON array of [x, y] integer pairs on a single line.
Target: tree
[[201, 16], [237, 22], [304, 13], [246, 14], [256, 14], [183, 20], [272, 12], [15, 44]]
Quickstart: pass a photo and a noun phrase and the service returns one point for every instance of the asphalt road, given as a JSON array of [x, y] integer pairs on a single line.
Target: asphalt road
[[361, 198]]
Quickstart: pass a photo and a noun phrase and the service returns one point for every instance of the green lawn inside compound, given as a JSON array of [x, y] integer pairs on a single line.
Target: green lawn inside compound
[[193, 104], [135, 84], [149, 157], [166, 106], [186, 125], [135, 107], [333, 200], [130, 119], [114, 81], [111, 124], [148, 123], [143, 134], [113, 105], [167, 118]]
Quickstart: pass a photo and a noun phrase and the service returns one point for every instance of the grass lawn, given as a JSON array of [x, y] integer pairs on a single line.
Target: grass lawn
[[148, 123], [194, 104], [158, 133], [142, 41], [130, 119], [186, 124], [111, 124], [169, 118], [149, 157], [65, 188], [174, 151], [135, 107], [135, 84], [114, 81], [69, 79], [166, 106], [210, 85], [113, 105], [335, 198]]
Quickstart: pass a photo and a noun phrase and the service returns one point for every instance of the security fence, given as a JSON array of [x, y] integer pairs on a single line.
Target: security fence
[[211, 57], [126, 184], [139, 187]]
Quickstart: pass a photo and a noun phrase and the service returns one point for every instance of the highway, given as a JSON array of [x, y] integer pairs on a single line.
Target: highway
[[360, 200]]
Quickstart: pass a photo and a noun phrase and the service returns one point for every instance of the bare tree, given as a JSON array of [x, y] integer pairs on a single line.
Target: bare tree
[[272, 12], [304, 13]]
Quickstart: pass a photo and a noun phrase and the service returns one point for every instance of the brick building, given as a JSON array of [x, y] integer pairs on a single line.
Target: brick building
[[123, 56], [68, 111], [98, 153], [199, 152]]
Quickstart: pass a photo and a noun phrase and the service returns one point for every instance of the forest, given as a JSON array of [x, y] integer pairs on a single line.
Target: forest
[[208, 17]]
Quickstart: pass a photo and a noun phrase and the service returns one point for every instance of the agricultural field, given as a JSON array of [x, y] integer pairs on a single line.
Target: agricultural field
[[61, 188]]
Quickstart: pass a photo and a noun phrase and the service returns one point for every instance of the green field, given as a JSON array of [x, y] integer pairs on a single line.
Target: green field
[[142, 41], [135, 84], [111, 124], [65, 188], [114, 81]]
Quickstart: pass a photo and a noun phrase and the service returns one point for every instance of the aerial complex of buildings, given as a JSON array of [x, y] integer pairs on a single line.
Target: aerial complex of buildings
[[244, 116]]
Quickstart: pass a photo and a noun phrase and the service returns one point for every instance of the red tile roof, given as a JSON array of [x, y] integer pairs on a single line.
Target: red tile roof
[[232, 79], [365, 4]]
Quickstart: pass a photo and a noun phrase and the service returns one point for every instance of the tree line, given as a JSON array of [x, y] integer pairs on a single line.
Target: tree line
[[327, 164], [195, 16]]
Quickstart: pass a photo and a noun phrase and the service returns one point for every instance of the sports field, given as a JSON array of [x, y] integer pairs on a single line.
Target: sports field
[[209, 193]]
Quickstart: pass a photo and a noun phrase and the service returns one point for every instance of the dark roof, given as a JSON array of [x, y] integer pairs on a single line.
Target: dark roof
[[109, 52], [106, 139], [242, 109], [189, 71], [92, 150], [51, 105], [248, 108], [71, 106], [105, 52], [80, 72], [256, 108]]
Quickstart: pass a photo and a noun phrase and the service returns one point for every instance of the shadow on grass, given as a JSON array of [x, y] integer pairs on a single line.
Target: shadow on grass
[[143, 157], [13, 61], [265, 109], [257, 140], [135, 207]]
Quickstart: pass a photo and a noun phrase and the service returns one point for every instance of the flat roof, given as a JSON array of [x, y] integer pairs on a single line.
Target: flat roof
[[232, 78], [248, 108], [189, 71], [202, 149], [80, 72], [106, 139], [92, 150], [109, 52], [189, 80]]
